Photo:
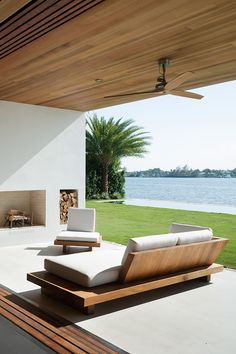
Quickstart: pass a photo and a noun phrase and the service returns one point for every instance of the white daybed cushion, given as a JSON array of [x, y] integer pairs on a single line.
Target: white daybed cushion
[[79, 236], [194, 236], [145, 243], [87, 269]]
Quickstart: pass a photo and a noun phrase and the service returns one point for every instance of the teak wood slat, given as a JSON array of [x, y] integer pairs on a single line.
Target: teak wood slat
[[56, 333], [141, 265], [56, 62]]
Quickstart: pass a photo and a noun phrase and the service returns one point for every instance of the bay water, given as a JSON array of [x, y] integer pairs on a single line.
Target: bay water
[[200, 194]]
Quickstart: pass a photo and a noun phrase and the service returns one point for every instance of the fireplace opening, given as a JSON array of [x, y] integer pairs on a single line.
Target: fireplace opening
[[68, 199], [22, 208]]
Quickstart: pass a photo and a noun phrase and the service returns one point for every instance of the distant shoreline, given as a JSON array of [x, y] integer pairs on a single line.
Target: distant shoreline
[[183, 172], [167, 204]]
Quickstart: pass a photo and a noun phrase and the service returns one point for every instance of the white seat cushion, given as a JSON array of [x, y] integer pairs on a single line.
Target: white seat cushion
[[194, 236], [79, 236], [87, 269], [145, 243]]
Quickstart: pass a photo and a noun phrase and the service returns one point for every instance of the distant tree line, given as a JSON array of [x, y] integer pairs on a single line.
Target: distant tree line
[[184, 172]]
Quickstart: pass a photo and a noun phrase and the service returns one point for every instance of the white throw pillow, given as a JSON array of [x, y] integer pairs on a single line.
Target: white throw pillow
[[194, 236], [145, 243]]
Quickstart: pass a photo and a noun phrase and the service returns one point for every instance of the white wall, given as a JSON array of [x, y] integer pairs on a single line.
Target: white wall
[[41, 148]]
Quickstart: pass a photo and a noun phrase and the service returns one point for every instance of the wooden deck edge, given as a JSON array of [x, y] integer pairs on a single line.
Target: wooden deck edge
[[56, 333]]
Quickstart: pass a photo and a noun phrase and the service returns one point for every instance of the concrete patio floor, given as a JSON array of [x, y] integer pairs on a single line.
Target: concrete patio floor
[[190, 318]]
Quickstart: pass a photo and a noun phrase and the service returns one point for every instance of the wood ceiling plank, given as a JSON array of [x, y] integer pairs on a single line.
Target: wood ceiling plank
[[9, 22], [8, 7]]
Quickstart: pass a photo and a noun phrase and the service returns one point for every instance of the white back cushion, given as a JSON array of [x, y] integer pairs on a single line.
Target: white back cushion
[[145, 243], [194, 236], [81, 219], [185, 227]]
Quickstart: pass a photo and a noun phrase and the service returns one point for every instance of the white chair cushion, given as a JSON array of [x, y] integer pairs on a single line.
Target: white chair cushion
[[81, 219], [87, 269], [79, 236], [194, 236], [185, 227], [145, 243]]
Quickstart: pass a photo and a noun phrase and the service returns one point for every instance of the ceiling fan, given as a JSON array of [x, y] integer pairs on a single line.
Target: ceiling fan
[[163, 87]]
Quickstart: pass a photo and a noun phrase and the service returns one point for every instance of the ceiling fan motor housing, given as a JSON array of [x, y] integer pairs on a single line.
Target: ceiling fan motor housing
[[164, 62], [161, 83]]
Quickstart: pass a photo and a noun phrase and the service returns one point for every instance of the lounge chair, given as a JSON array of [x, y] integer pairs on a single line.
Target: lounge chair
[[80, 230], [147, 263]]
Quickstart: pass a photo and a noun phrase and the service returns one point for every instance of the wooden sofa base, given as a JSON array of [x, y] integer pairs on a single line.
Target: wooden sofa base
[[66, 244], [84, 299]]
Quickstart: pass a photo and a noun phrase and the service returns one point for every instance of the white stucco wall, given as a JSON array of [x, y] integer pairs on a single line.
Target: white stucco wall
[[41, 148]]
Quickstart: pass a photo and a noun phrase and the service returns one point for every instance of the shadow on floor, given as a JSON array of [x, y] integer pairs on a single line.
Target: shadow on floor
[[55, 306], [56, 250]]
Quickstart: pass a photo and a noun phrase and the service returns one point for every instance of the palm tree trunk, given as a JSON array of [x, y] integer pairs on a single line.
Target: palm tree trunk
[[104, 177]]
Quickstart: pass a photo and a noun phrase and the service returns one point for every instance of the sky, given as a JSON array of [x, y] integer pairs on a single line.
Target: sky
[[197, 133]]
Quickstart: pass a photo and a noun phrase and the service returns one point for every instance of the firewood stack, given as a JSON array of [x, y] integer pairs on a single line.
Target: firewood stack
[[67, 200]]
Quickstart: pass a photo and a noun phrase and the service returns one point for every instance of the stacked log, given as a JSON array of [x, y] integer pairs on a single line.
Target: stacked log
[[67, 200]]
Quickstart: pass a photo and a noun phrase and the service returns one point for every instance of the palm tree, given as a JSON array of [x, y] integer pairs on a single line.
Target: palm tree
[[107, 141]]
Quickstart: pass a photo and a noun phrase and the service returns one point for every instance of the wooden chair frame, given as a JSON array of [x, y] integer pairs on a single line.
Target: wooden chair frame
[[141, 272], [66, 244]]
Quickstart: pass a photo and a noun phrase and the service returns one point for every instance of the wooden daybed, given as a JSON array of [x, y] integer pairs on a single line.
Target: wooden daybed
[[141, 271]]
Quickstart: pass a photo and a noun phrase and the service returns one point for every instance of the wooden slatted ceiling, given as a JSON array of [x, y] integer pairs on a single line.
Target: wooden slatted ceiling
[[120, 41], [37, 19]]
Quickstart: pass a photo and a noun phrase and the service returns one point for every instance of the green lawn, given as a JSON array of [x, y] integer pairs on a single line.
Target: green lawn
[[118, 222]]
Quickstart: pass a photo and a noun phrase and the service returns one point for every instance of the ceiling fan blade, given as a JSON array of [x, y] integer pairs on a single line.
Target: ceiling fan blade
[[186, 94], [172, 84], [135, 93]]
